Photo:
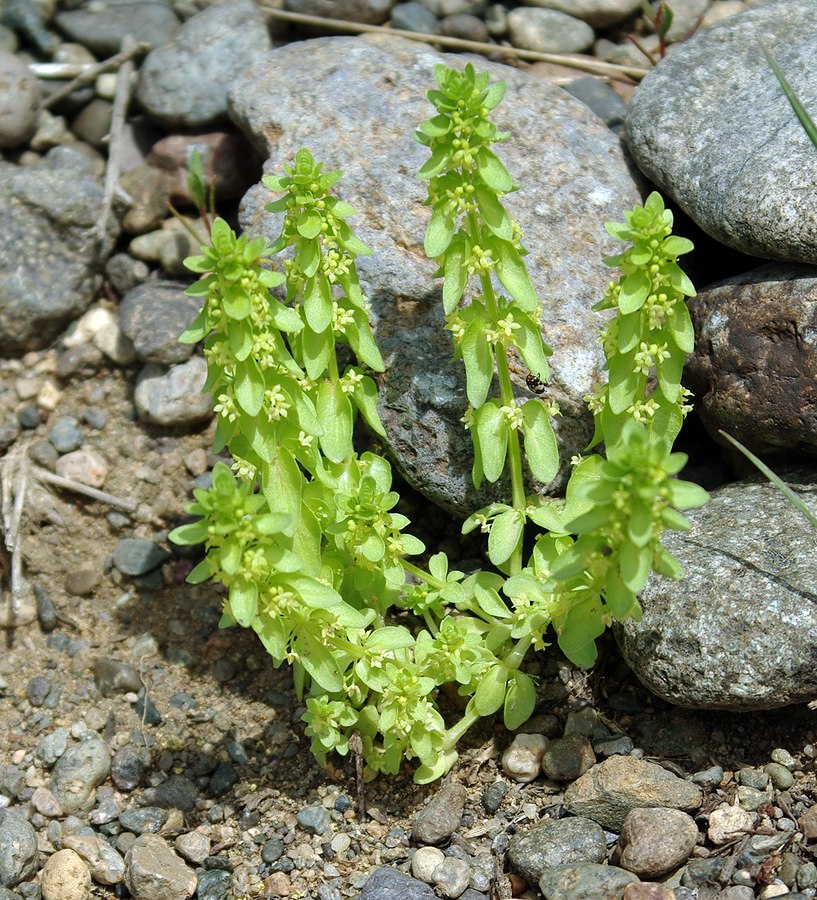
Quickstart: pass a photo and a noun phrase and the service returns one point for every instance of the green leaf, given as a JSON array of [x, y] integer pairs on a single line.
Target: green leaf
[[493, 213], [319, 661], [505, 535], [236, 302], [317, 349], [190, 534], [439, 233], [436, 162], [478, 359], [532, 348], [456, 275], [197, 330], [335, 415], [686, 494], [389, 638], [799, 110], [492, 429], [635, 289], [493, 171], [579, 630], [594, 518], [309, 256], [282, 484], [675, 246], [635, 563], [520, 700], [680, 327], [363, 343], [489, 600], [640, 524], [541, 448], [249, 386], [365, 398], [620, 599], [623, 382], [629, 331], [494, 95], [318, 303], [308, 223], [490, 693], [513, 275], [436, 127], [244, 600], [679, 279]]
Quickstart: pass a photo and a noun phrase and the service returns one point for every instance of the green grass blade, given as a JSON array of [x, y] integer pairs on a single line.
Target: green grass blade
[[791, 496], [800, 111]]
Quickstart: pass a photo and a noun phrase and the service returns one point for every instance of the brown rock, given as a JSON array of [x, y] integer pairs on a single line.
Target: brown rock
[[614, 787], [808, 823], [754, 371], [656, 841], [648, 890], [65, 875], [225, 156]]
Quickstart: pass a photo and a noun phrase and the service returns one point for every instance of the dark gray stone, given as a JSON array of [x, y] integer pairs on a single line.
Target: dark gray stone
[[185, 82], [177, 792], [465, 27], [146, 820], [755, 362], [18, 848], [391, 884], [101, 26], [569, 840], [114, 677], [585, 881], [365, 96], [153, 315], [314, 819], [37, 690], [568, 757], [369, 12], [136, 556], [65, 435], [128, 767], [414, 16], [19, 102], [214, 885], [225, 777], [47, 253], [739, 631], [52, 746], [737, 160]]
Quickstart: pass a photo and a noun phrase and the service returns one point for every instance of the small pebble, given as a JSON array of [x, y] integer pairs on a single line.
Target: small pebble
[[522, 760], [81, 582], [314, 819], [65, 875], [424, 862], [65, 435], [780, 775], [451, 877]]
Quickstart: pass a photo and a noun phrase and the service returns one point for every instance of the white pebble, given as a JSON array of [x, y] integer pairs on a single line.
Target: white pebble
[[729, 822], [523, 759], [424, 862]]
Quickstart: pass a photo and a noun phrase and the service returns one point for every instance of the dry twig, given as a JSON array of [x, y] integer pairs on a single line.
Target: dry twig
[[87, 73], [573, 61], [121, 100]]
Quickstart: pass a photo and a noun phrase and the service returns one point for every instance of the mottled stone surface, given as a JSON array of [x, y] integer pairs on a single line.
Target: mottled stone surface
[[365, 97], [739, 631], [711, 126], [612, 788], [754, 371]]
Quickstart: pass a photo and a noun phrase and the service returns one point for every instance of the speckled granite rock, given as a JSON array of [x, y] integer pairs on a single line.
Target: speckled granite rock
[[739, 631], [711, 126]]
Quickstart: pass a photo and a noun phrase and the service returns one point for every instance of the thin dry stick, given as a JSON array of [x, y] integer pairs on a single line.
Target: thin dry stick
[[80, 488], [595, 66], [124, 79], [90, 73]]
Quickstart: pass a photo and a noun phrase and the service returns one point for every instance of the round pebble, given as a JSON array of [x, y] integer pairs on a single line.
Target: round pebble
[[424, 862], [65, 875], [65, 435], [522, 761], [19, 101]]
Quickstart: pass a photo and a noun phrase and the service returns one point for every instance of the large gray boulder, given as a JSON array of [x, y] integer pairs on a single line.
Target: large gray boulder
[[739, 632], [711, 126], [354, 102]]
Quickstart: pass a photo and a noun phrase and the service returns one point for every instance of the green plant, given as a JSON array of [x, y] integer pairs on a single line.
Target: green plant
[[315, 559]]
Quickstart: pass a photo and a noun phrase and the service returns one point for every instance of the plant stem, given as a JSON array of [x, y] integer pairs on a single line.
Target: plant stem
[[422, 575], [514, 659], [506, 394]]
